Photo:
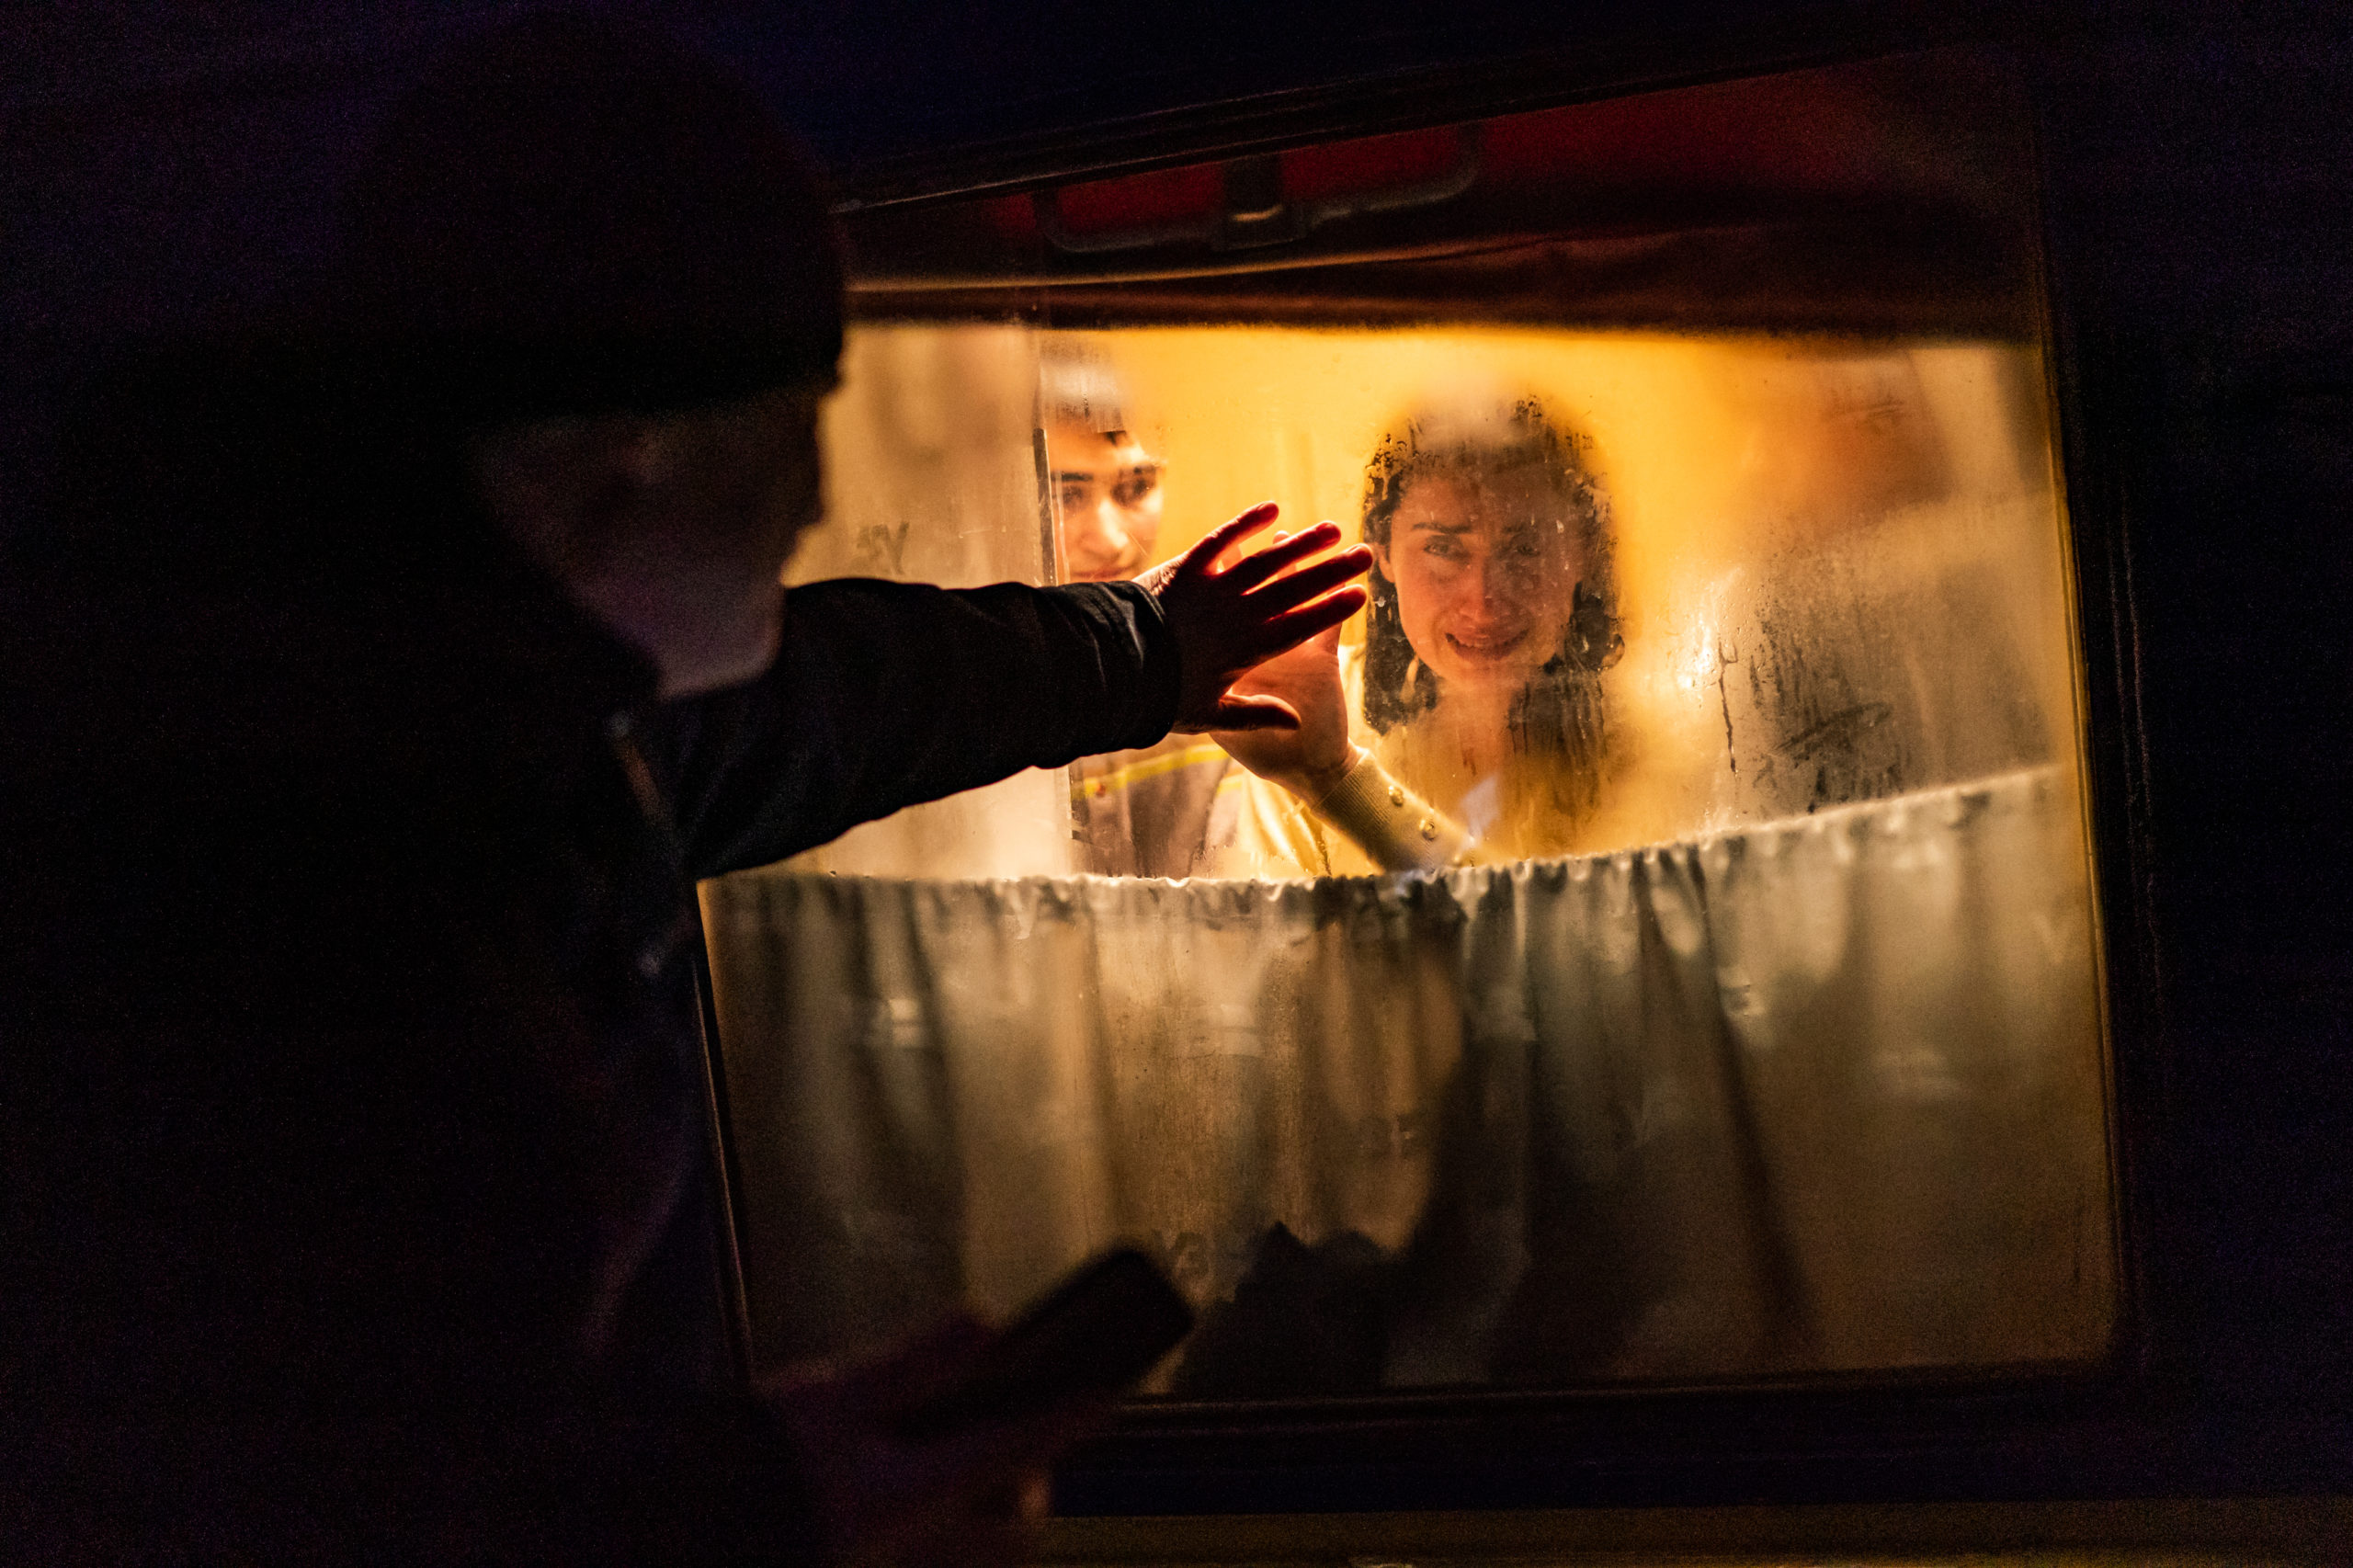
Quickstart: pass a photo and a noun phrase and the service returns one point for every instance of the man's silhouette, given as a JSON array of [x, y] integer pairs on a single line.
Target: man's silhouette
[[372, 697]]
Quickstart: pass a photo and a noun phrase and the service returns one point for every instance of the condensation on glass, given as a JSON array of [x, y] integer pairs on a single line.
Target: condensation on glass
[[1724, 605]]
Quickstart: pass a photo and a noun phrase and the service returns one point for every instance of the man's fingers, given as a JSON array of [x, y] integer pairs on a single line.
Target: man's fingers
[[1324, 645], [1259, 565], [1215, 542], [1311, 581], [1283, 632]]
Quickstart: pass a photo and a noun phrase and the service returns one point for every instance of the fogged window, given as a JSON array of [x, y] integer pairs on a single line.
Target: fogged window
[[1720, 636]]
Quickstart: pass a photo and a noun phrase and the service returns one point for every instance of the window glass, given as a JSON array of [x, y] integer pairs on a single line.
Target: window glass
[[1743, 1018]]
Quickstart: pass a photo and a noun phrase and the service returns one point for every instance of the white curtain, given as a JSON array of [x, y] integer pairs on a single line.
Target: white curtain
[[1824, 1094]]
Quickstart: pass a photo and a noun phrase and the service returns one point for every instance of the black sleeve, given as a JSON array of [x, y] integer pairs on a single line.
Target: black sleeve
[[885, 693]]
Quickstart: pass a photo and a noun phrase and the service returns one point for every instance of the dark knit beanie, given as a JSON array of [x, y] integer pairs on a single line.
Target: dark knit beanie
[[573, 216]]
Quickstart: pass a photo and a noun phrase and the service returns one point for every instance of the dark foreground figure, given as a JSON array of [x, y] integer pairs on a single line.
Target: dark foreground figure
[[372, 700]]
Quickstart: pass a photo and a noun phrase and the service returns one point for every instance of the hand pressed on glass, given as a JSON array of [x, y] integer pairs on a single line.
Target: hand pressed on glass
[[1341, 780], [1228, 619], [1310, 759]]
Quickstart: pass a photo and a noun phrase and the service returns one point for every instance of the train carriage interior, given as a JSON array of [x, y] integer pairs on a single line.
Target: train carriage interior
[[1846, 1058]]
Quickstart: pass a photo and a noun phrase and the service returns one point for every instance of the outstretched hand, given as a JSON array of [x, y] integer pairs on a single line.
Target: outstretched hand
[[1230, 618]]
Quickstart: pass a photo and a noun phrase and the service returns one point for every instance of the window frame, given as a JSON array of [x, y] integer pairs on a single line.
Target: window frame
[[1884, 1436]]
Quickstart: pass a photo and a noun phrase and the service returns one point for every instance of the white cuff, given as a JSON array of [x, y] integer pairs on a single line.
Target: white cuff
[[1397, 828]]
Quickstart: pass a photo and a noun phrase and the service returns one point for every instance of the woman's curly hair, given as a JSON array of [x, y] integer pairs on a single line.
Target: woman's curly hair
[[1559, 712]]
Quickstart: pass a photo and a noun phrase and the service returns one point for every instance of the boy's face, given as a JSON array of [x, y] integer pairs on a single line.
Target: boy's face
[[1107, 501], [784, 464], [673, 529]]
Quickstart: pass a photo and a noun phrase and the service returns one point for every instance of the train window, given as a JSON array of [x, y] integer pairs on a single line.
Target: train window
[[1728, 1006]]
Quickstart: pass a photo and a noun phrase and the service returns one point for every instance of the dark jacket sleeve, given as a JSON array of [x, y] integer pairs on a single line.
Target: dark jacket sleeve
[[885, 693]]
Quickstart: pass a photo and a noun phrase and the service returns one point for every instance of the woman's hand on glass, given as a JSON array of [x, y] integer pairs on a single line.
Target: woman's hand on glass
[[1309, 761], [1230, 617]]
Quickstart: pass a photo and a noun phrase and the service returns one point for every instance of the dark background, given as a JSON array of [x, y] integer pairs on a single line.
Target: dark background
[[167, 169]]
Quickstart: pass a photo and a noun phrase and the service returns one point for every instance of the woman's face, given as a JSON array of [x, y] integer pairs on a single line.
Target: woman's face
[[1486, 568]]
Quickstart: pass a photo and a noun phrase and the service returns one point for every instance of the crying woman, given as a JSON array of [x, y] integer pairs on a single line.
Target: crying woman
[[1470, 725]]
